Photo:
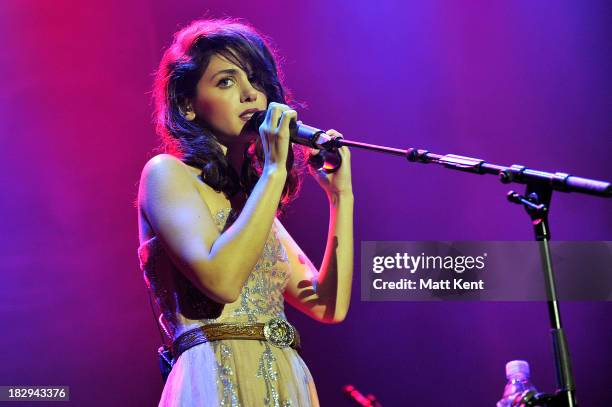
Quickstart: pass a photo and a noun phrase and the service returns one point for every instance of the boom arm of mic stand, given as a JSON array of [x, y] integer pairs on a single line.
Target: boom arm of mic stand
[[516, 173]]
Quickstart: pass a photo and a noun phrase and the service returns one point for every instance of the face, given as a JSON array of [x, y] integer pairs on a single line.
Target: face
[[224, 92]]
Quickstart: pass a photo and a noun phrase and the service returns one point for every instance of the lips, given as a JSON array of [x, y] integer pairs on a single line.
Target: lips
[[246, 115]]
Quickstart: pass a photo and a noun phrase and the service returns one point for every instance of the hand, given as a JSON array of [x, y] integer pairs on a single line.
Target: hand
[[274, 133], [339, 182]]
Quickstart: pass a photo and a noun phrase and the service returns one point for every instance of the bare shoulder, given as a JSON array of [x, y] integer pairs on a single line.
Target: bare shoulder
[[165, 169], [163, 165], [171, 204], [164, 179]]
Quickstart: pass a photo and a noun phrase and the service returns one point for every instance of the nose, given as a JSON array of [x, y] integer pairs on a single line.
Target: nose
[[249, 93]]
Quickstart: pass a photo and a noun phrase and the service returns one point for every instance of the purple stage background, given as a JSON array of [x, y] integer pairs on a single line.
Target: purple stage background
[[518, 82]]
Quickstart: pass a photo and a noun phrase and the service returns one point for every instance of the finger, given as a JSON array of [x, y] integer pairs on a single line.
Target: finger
[[332, 132], [345, 153], [286, 117], [266, 126], [275, 111]]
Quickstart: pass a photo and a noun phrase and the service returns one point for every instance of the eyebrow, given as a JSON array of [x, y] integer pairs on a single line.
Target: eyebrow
[[230, 71]]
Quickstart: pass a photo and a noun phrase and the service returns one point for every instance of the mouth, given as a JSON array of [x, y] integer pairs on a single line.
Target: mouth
[[247, 114]]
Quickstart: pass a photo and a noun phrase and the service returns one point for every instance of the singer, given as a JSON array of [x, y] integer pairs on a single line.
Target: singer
[[215, 257]]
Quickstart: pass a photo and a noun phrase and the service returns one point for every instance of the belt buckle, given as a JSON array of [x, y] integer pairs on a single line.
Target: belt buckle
[[279, 332]]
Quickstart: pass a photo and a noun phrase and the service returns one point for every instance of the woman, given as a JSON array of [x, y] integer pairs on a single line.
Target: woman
[[214, 255]]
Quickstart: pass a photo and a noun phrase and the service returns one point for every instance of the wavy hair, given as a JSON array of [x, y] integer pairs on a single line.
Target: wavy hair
[[180, 69]]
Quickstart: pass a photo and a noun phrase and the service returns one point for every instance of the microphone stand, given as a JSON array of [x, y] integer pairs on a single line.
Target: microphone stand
[[536, 202]]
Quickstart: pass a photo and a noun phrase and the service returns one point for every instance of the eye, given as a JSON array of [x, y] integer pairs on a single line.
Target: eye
[[226, 82]]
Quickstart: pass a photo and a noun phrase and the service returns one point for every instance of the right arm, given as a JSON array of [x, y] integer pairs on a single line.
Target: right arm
[[217, 264]]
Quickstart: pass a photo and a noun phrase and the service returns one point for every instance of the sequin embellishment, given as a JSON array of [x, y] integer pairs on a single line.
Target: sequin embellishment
[[225, 376], [267, 371]]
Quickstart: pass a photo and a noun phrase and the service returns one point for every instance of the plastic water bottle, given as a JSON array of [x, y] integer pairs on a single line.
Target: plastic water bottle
[[518, 385]]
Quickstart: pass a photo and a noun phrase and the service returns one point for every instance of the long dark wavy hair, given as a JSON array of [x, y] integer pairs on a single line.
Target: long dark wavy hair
[[180, 69]]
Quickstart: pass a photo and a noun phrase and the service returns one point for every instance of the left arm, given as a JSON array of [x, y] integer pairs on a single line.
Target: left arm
[[325, 294]]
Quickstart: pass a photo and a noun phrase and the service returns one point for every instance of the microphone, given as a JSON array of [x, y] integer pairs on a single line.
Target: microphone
[[328, 157]]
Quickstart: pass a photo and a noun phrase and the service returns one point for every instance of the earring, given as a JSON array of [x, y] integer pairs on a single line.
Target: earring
[[190, 116]]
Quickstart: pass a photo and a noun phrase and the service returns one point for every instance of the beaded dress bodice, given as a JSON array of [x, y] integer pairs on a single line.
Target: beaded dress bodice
[[184, 307]]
